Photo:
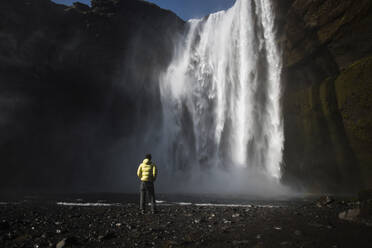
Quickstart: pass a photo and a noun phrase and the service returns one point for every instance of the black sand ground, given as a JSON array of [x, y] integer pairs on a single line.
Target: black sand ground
[[292, 223]]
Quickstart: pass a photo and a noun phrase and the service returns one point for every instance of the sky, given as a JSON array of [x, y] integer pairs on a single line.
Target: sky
[[186, 9]]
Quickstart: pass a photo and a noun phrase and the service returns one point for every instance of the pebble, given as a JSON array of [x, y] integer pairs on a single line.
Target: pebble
[[61, 243], [226, 221], [170, 224], [240, 242]]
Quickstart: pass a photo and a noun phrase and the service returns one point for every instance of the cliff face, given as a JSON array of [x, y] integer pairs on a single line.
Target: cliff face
[[327, 49], [76, 84], [79, 86]]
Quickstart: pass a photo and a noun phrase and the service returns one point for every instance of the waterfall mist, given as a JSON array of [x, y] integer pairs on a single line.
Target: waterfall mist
[[222, 125]]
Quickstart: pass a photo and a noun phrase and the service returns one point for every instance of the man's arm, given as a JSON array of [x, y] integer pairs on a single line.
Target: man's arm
[[139, 171], [154, 171]]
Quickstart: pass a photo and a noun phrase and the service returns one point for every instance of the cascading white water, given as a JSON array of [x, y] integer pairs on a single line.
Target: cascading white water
[[221, 93]]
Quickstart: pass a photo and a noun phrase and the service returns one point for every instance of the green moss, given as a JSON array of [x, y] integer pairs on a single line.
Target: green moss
[[320, 132], [324, 93], [354, 91], [325, 33]]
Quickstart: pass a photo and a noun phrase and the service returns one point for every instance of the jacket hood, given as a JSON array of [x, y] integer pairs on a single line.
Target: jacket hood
[[146, 161]]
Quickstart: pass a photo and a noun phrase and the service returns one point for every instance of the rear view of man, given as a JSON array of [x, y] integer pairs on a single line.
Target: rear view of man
[[147, 172]]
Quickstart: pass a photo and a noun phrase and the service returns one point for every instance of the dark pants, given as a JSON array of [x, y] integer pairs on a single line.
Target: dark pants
[[147, 187]]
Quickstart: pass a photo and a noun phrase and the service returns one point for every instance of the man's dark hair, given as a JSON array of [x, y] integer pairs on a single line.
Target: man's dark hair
[[148, 156]]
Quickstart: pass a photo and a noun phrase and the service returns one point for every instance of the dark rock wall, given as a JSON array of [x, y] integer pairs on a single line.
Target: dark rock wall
[[78, 87], [327, 49]]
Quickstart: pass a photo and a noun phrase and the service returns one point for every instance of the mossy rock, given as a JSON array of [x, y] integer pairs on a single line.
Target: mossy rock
[[354, 100], [316, 126]]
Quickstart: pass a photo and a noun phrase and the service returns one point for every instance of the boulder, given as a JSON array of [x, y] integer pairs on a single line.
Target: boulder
[[324, 201], [350, 214]]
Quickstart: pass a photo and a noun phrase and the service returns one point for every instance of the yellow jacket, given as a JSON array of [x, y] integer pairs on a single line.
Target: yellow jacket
[[147, 171]]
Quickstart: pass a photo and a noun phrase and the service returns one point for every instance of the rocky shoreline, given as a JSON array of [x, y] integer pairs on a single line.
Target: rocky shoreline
[[292, 223]]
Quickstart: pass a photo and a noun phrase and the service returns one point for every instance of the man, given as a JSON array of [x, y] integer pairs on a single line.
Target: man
[[147, 172]]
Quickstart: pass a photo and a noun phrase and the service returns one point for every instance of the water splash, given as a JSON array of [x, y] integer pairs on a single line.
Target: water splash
[[221, 93]]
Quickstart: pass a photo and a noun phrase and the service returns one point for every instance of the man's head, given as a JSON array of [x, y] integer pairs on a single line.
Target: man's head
[[148, 156]]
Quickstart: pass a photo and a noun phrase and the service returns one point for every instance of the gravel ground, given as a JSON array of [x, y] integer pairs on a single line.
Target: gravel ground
[[288, 224]]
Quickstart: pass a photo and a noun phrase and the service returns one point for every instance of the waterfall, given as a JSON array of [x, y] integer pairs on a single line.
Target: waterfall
[[221, 94]]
